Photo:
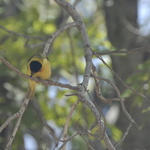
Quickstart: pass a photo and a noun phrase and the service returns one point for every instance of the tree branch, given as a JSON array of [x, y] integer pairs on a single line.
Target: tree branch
[[18, 115], [88, 58], [52, 37], [45, 82], [115, 52], [67, 123], [87, 48], [100, 123], [128, 87], [20, 34]]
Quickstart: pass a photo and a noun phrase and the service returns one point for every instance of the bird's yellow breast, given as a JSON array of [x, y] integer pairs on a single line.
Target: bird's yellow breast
[[45, 71]]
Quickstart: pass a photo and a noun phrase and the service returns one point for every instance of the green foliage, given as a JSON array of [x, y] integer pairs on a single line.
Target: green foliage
[[140, 83], [116, 133], [30, 26]]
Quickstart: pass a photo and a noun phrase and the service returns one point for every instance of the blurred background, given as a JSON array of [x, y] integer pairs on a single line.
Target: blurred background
[[25, 26]]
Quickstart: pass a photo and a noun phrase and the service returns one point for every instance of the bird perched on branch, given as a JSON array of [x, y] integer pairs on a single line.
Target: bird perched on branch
[[38, 66]]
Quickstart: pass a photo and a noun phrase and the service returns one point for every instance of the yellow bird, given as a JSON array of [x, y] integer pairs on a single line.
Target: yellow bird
[[38, 66]]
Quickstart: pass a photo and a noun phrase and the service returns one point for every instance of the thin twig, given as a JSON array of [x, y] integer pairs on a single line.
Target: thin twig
[[11, 118], [66, 15], [33, 45], [100, 123], [45, 82], [72, 49], [40, 114], [69, 139], [87, 143], [67, 122], [20, 114], [120, 98], [86, 42], [50, 40], [101, 116], [128, 87], [20, 34], [124, 135], [130, 51], [98, 88]]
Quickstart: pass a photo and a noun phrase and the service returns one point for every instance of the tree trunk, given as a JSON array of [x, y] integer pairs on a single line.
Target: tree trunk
[[120, 16]]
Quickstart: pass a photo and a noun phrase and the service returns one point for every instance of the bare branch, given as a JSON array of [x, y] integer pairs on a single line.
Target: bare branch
[[100, 123], [33, 45], [98, 88], [87, 48], [20, 34], [88, 143], [50, 40], [67, 123], [128, 87], [45, 82], [88, 58], [124, 135], [120, 98], [70, 138], [66, 15], [72, 49], [11, 118], [19, 114], [40, 114], [130, 51]]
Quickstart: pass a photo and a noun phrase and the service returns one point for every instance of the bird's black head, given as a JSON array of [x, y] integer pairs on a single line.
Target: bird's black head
[[35, 66]]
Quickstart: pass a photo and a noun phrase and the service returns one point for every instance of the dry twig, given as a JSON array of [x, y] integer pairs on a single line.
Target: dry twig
[[50, 40], [45, 82], [130, 51], [70, 138], [120, 99], [124, 135], [40, 114], [128, 87], [20, 34], [66, 126], [98, 89], [18, 115]]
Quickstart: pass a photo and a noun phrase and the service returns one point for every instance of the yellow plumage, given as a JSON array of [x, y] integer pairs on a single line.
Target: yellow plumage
[[38, 66]]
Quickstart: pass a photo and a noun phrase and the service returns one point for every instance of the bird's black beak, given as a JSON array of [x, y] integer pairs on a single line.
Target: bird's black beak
[[32, 73]]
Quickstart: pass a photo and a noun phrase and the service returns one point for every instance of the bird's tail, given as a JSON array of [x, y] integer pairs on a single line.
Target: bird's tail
[[31, 90]]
